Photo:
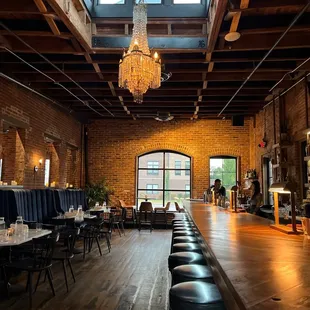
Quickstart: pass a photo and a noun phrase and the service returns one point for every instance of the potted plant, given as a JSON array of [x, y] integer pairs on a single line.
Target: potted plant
[[98, 192]]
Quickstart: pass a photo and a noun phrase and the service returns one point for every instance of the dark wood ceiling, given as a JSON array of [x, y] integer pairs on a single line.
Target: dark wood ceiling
[[204, 76]]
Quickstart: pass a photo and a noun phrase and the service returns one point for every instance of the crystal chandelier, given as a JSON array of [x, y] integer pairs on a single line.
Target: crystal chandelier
[[138, 69]]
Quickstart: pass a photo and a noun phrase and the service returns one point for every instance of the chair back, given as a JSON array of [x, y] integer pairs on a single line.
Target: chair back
[[43, 250], [146, 206], [177, 207], [122, 203], [167, 207]]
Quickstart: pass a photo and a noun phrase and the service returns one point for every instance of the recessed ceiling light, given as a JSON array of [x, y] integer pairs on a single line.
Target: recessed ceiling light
[[232, 36]]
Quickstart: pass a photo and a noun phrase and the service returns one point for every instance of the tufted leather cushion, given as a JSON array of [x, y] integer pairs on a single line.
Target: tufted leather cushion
[[187, 228], [195, 295], [182, 239], [180, 220], [7, 205], [186, 247], [193, 272], [178, 224], [64, 198], [183, 233], [185, 258]]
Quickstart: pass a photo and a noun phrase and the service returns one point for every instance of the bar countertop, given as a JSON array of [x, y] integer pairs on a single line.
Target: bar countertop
[[255, 267]]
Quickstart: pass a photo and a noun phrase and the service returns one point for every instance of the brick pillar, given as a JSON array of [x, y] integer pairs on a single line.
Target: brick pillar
[[61, 150], [9, 155]]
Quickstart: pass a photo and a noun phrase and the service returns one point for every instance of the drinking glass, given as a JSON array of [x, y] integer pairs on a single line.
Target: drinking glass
[[19, 225], [38, 226], [71, 209], [80, 207]]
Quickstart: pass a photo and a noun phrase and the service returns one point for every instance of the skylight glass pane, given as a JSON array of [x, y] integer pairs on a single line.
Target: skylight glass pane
[[111, 1], [186, 1], [150, 1]]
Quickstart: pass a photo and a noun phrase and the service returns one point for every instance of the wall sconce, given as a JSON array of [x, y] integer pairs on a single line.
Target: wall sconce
[[36, 168]]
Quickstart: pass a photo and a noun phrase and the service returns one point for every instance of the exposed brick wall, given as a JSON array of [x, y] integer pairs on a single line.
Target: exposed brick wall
[[42, 118], [294, 106], [115, 144]]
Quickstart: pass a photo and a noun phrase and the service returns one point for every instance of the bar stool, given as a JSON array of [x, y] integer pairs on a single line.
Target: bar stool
[[182, 233], [195, 295], [186, 247], [186, 239], [184, 219], [179, 224], [182, 228], [185, 258], [187, 273]]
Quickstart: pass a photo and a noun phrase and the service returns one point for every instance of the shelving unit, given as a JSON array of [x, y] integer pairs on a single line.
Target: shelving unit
[[280, 163]]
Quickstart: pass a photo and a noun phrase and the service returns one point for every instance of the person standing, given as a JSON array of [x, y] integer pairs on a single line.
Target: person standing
[[256, 200]]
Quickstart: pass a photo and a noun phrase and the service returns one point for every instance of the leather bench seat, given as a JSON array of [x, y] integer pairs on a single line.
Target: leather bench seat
[[195, 295], [193, 272]]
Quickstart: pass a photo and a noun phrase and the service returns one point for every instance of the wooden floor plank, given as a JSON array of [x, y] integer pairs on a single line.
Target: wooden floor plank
[[134, 276]]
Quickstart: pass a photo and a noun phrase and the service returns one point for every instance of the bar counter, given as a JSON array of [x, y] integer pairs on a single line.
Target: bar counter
[[255, 267]]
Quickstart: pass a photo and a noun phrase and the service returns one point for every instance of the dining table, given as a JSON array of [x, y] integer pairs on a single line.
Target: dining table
[[15, 239]]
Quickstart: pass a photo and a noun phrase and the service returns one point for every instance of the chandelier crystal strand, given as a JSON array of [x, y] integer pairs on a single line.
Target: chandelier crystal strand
[[138, 69]]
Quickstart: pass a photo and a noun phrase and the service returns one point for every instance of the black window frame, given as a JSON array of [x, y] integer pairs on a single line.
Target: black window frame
[[163, 169], [178, 171], [224, 157], [152, 170]]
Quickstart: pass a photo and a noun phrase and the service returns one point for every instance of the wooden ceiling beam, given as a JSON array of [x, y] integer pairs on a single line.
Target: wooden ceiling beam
[[50, 20], [166, 61], [151, 21], [174, 71], [266, 41], [75, 20], [260, 31], [25, 33], [269, 10], [217, 10], [194, 77]]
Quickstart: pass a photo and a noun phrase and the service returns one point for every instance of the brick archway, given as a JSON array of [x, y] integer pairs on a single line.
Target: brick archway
[[165, 146]]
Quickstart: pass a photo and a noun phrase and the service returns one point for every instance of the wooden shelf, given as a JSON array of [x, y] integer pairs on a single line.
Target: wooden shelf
[[281, 145], [307, 158]]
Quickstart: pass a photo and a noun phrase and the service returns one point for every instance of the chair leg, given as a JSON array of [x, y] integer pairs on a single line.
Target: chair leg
[[122, 226], [84, 249], [108, 242], [65, 274], [49, 276], [119, 231], [30, 289], [69, 263], [6, 282], [98, 244], [38, 281]]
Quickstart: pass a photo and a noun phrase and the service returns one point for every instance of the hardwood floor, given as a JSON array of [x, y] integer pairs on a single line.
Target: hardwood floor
[[133, 276]]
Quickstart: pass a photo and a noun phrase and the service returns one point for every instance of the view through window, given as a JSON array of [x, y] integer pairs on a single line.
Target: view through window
[[162, 177], [225, 169]]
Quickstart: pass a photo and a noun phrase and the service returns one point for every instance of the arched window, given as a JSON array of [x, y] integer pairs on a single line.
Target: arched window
[[225, 169], [163, 176]]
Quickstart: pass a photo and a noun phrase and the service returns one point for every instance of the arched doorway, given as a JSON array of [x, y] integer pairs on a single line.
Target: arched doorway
[[163, 176]]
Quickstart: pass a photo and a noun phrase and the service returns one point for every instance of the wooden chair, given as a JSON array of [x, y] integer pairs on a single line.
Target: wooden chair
[[146, 215], [178, 208], [162, 212]]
